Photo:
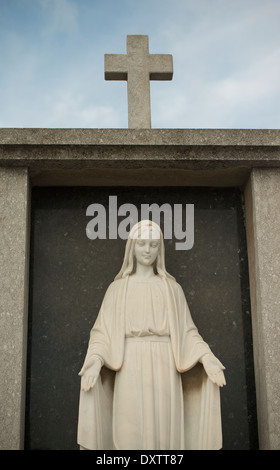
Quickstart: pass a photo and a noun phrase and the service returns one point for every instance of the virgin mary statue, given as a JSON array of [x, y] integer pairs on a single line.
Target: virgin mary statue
[[149, 381]]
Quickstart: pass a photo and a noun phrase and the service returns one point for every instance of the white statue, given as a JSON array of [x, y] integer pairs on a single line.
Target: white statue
[[149, 381]]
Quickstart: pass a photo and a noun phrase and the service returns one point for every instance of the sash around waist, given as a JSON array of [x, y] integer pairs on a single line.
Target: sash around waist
[[147, 338]]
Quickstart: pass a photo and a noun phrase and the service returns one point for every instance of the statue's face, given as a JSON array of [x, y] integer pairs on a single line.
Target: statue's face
[[146, 251]]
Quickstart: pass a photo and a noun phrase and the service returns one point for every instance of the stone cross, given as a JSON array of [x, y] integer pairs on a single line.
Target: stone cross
[[138, 67]]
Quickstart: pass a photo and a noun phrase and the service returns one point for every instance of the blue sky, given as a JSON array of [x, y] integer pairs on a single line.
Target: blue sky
[[226, 56]]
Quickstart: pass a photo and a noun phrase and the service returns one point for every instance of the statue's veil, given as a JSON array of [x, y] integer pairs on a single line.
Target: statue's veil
[[140, 230]]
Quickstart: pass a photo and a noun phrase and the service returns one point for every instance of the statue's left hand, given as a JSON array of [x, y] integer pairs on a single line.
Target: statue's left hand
[[214, 369]]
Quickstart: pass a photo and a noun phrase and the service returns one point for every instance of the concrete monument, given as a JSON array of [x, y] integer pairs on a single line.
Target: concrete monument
[[163, 389], [227, 158], [138, 67]]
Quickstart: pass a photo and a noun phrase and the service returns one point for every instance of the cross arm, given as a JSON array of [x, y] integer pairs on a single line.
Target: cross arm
[[115, 66], [161, 66]]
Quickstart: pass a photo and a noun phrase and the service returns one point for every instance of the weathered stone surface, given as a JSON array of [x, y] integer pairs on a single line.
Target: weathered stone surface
[[146, 137], [150, 157], [14, 259], [263, 233]]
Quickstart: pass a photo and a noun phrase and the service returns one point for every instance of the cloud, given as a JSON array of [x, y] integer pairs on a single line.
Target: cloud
[[226, 62], [74, 110], [259, 81], [62, 16], [226, 66], [243, 98]]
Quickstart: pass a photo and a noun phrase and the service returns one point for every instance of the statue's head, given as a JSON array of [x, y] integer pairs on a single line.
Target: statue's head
[[145, 244]]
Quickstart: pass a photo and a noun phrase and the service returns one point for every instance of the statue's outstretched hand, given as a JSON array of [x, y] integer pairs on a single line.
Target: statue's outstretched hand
[[214, 369], [89, 373]]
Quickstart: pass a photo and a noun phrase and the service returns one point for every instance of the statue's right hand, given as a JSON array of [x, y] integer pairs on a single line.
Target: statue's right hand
[[89, 374]]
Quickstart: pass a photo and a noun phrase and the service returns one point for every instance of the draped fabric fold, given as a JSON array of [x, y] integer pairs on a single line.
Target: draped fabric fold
[[192, 400]]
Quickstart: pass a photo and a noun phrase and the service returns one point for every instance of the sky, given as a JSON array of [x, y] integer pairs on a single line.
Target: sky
[[226, 59]]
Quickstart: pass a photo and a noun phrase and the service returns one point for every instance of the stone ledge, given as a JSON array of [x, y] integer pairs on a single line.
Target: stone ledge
[[126, 137], [134, 156], [149, 156]]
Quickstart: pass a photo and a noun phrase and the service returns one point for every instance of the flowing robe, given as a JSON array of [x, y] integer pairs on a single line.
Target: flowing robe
[[196, 415]]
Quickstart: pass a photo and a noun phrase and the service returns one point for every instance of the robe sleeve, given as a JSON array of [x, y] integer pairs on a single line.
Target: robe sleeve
[[202, 413], [107, 342], [106, 337]]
